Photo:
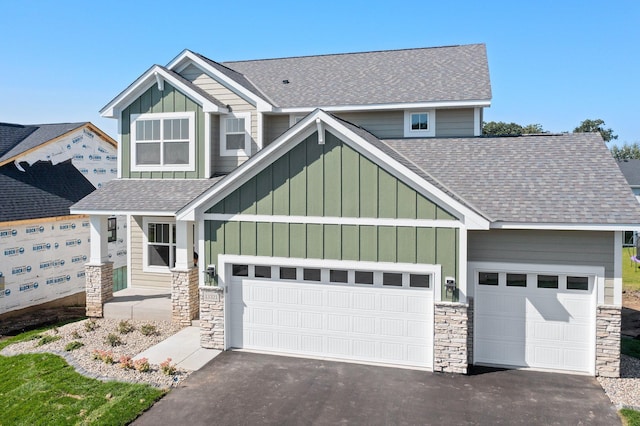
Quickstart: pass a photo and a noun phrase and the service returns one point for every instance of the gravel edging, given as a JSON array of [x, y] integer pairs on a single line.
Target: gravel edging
[[82, 361], [624, 392]]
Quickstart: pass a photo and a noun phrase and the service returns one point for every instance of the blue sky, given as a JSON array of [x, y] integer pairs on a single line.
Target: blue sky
[[551, 62]]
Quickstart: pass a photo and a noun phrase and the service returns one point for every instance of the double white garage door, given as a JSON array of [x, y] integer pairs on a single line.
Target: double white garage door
[[347, 314]]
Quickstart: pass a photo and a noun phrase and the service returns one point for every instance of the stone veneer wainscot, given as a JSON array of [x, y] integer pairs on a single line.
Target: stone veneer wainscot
[[608, 322], [212, 317], [99, 287]]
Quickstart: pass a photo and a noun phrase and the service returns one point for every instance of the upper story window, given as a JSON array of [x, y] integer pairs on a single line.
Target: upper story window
[[235, 134], [163, 141], [419, 123]]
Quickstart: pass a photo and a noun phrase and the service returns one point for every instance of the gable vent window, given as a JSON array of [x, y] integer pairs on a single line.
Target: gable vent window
[[235, 134], [163, 141]]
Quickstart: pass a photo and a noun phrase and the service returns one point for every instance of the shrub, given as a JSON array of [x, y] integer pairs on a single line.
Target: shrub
[[149, 330], [113, 340], [167, 368], [48, 339], [104, 356], [126, 362], [73, 345], [125, 327], [91, 325], [76, 335], [142, 365]]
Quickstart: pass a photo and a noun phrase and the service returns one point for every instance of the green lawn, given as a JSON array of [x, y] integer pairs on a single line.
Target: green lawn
[[630, 276], [42, 389]]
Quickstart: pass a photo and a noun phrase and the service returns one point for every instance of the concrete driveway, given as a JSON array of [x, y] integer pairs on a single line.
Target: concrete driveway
[[247, 388]]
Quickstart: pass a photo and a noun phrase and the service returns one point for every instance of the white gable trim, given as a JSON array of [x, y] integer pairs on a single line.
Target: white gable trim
[[187, 57], [144, 82], [305, 128]]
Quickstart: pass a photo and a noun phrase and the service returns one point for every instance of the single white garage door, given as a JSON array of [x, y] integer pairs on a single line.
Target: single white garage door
[[542, 321], [342, 314]]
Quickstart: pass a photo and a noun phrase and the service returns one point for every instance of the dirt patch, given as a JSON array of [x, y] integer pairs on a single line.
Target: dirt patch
[[28, 321]]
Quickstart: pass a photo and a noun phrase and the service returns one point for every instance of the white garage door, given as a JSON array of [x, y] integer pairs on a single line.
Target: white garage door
[[542, 321], [370, 316]]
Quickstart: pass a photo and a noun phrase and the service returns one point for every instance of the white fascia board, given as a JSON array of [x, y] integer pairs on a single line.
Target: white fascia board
[[187, 56], [123, 212], [566, 226], [379, 107], [147, 80], [305, 128]]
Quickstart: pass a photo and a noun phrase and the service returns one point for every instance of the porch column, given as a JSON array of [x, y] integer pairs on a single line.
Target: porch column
[[184, 280], [99, 271]]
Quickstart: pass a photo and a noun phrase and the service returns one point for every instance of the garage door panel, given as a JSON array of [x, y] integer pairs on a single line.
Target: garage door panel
[[261, 294], [338, 299], [364, 325], [545, 331], [346, 323], [391, 303], [288, 319], [364, 301], [391, 327], [288, 295], [311, 320], [498, 328], [500, 352], [310, 297]]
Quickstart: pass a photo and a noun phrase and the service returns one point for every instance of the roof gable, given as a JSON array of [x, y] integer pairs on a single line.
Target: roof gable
[[157, 75], [328, 180], [319, 120]]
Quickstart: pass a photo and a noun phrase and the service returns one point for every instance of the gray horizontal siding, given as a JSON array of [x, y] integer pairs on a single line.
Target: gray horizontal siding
[[454, 122], [382, 124], [274, 126], [581, 248]]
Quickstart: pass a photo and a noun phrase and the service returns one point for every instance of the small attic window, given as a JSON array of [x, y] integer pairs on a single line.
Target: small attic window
[[419, 124]]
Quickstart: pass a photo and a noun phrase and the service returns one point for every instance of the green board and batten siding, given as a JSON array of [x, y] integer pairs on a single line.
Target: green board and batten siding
[[155, 101], [331, 180]]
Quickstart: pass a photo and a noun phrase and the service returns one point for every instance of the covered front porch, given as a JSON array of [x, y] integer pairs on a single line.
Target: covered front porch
[[163, 247]]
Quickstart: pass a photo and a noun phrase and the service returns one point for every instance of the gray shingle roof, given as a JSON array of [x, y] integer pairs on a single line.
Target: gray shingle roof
[[40, 134], [41, 190], [631, 171], [453, 73], [570, 178], [151, 195]]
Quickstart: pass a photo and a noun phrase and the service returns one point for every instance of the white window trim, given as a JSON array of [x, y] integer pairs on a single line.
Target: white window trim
[[145, 244], [431, 120], [190, 115], [246, 152]]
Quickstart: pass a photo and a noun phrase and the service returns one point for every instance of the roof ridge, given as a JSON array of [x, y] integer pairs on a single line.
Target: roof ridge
[[350, 53]]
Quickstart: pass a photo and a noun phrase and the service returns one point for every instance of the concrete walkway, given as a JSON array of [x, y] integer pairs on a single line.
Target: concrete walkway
[[183, 348], [139, 304]]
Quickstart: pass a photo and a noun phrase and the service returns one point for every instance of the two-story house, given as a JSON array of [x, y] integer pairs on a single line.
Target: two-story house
[[346, 206]]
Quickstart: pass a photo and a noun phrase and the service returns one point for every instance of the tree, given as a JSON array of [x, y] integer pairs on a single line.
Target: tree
[[626, 152], [596, 125], [501, 128]]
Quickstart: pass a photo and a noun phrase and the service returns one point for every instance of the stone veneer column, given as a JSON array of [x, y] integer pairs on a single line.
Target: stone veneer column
[[184, 296], [98, 286], [212, 317], [451, 339], [608, 322]]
